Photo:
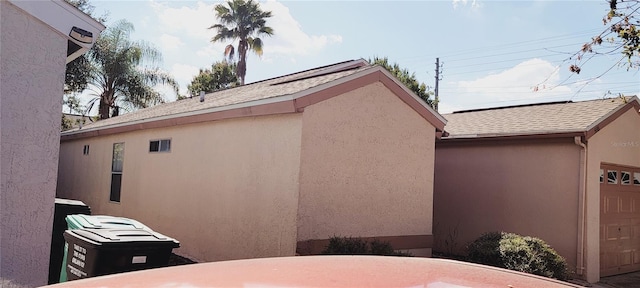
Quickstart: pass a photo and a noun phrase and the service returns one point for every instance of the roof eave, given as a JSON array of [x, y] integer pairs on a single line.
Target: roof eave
[[291, 103], [63, 18], [513, 136], [269, 106]]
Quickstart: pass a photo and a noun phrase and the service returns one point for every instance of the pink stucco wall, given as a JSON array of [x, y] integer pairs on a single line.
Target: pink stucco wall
[[366, 167], [616, 143], [526, 187], [227, 190], [32, 61]]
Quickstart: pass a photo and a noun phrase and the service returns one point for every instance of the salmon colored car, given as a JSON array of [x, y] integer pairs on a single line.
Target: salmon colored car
[[324, 271]]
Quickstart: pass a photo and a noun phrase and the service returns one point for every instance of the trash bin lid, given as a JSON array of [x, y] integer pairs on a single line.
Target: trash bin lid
[[68, 206], [81, 221], [61, 201], [108, 237]]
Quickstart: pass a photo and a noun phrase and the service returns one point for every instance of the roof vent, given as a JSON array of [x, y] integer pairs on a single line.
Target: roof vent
[[201, 96]]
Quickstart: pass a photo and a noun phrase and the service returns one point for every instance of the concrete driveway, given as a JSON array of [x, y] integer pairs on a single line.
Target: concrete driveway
[[629, 280]]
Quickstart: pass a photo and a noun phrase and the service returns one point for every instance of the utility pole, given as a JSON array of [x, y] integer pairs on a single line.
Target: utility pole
[[437, 99]]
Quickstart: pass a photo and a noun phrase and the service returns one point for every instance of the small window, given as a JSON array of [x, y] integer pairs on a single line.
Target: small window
[[601, 175], [85, 150], [626, 178], [612, 177], [117, 163], [160, 145], [636, 178]]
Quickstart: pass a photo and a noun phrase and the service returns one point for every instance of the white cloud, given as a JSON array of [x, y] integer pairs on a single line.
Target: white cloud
[[184, 74], [474, 4], [170, 42], [289, 38], [189, 21], [509, 87], [185, 44]]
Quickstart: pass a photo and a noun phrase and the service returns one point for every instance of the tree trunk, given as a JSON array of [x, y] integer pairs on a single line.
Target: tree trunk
[[103, 109], [242, 63]]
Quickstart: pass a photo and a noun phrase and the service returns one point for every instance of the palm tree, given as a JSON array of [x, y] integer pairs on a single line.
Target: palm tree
[[118, 76], [245, 21]]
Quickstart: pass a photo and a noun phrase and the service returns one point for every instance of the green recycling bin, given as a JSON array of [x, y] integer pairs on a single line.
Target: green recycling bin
[[96, 252], [79, 221]]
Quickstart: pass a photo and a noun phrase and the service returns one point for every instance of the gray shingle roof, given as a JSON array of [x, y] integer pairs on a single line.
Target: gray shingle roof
[[270, 88], [532, 119]]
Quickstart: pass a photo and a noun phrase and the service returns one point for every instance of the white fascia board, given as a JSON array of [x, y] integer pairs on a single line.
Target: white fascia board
[[62, 17]]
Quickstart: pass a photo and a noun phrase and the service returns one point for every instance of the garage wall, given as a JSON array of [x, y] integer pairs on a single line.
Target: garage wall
[[366, 167], [527, 187], [32, 53], [616, 143], [227, 190]]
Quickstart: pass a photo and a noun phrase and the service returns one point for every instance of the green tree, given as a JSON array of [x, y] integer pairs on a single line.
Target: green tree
[[222, 75], [65, 123], [242, 20], [624, 20], [72, 102], [407, 78], [622, 35], [119, 78]]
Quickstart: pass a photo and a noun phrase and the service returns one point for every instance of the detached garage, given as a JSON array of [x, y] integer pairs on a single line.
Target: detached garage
[[566, 172], [271, 168]]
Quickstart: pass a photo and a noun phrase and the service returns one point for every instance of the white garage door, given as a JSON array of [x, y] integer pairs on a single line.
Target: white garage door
[[619, 219]]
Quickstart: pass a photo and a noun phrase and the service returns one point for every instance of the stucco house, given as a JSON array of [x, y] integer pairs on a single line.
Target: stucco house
[[37, 39], [271, 168], [566, 172]]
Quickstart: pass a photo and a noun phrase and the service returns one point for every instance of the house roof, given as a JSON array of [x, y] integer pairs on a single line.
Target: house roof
[[582, 118], [285, 94]]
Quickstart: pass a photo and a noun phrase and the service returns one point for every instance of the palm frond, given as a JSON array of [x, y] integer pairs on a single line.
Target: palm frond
[[245, 21], [229, 51], [116, 72], [256, 45]]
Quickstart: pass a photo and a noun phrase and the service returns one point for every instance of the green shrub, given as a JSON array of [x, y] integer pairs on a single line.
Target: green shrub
[[357, 246], [346, 246], [486, 250], [519, 253]]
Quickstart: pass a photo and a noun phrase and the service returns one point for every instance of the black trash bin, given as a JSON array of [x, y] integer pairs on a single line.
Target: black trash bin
[[78, 221], [96, 252], [62, 208]]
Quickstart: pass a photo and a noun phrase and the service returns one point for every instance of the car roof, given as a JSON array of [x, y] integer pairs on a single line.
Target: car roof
[[324, 271]]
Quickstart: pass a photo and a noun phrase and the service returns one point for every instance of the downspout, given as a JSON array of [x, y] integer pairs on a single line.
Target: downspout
[[581, 205]]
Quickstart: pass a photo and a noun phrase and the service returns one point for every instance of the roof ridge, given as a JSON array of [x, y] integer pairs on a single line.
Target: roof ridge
[[512, 106], [303, 71], [624, 98], [331, 69]]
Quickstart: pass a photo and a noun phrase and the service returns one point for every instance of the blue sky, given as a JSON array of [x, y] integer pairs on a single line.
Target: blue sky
[[493, 52]]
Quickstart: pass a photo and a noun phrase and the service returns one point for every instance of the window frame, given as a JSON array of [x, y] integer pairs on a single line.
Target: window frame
[[163, 145], [616, 180], [115, 193]]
